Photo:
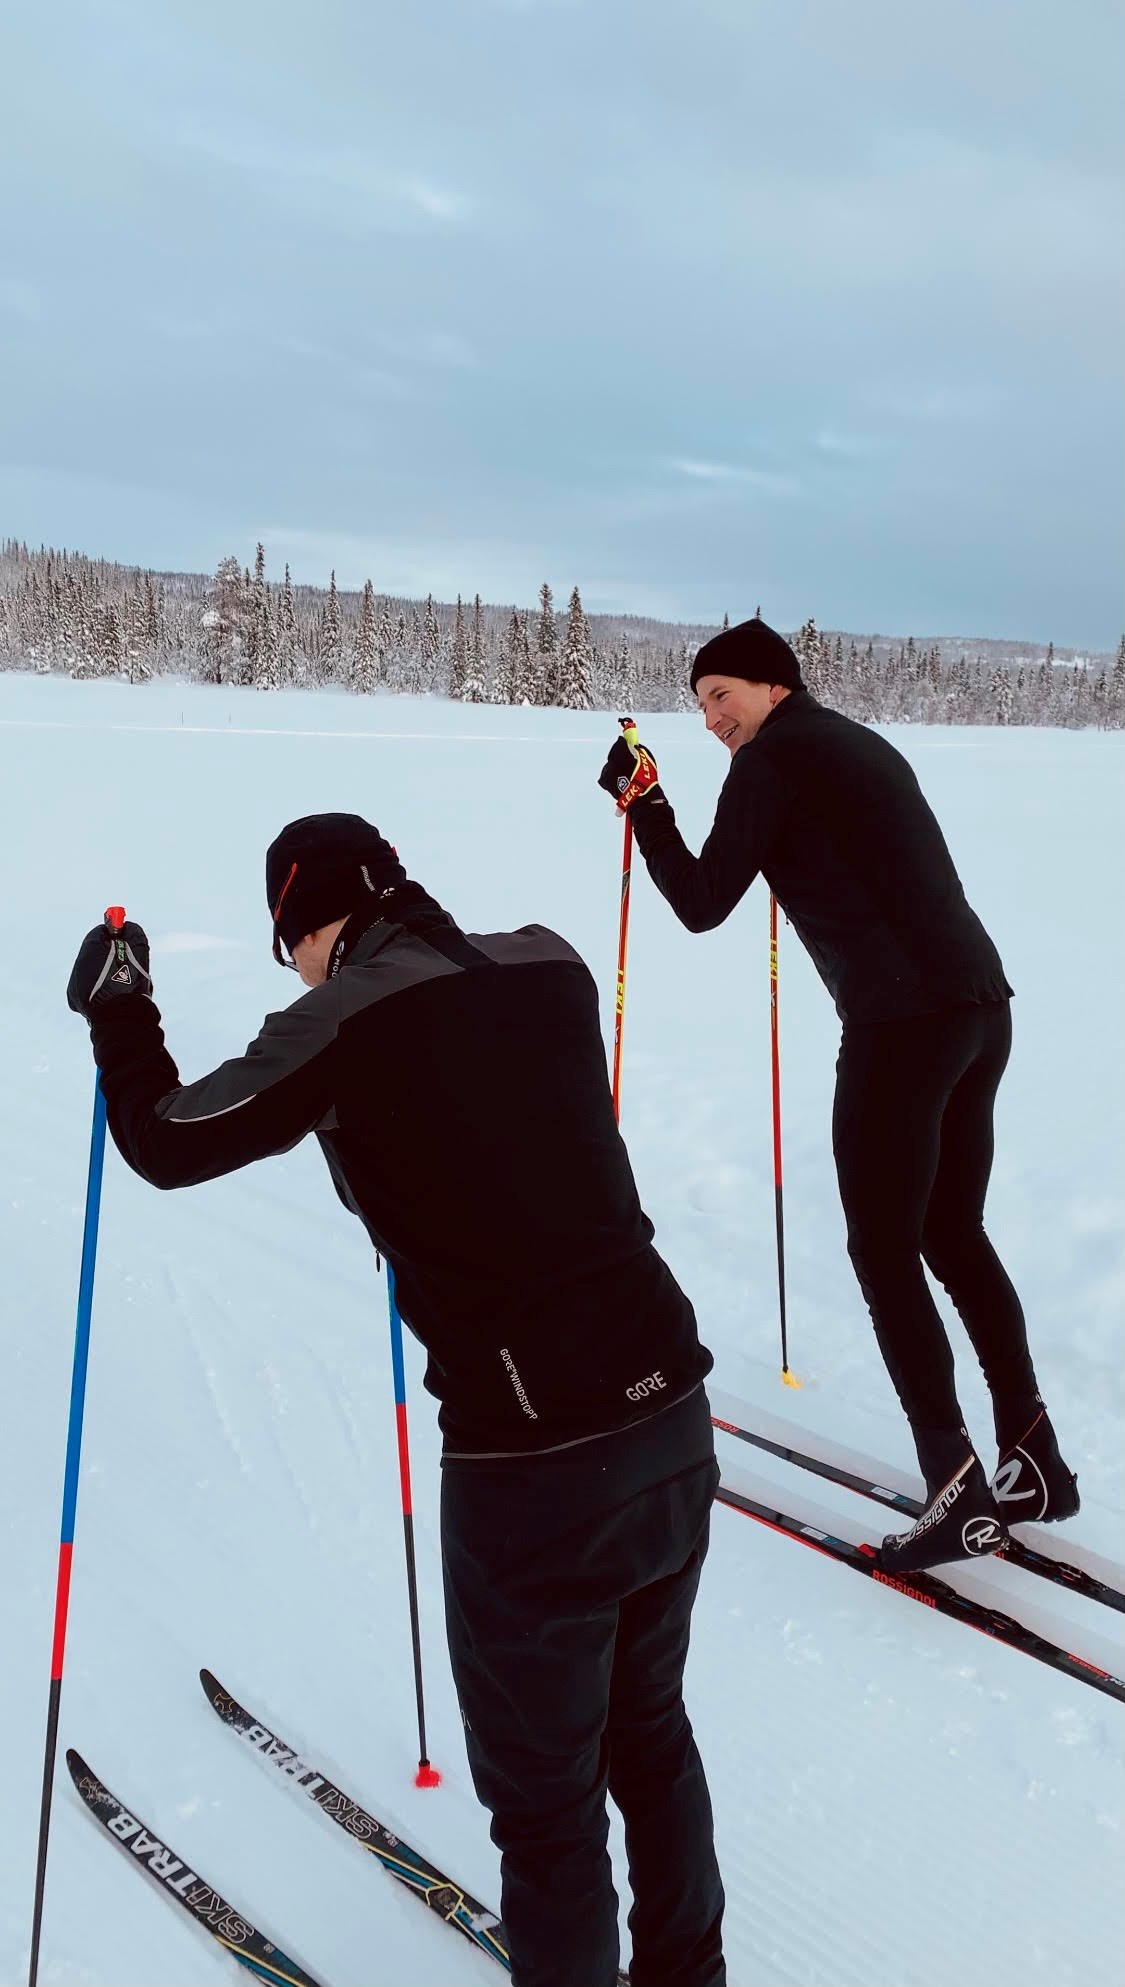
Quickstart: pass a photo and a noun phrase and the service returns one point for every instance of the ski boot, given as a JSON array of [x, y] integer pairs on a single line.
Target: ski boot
[[1032, 1483], [959, 1522]]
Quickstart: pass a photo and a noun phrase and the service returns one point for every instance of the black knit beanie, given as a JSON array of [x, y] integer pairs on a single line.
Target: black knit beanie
[[753, 651], [324, 867]]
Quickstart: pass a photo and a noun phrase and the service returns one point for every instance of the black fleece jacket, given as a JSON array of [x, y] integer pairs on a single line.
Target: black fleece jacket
[[458, 1087], [836, 822]]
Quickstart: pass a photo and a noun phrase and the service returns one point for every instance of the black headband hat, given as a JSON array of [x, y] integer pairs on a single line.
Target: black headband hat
[[323, 867], [753, 651]]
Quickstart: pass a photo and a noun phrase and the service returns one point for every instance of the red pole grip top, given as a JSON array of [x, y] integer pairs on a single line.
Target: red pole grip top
[[115, 916]]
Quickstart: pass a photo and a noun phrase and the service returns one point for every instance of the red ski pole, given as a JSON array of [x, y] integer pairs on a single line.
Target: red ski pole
[[427, 1775], [629, 733], [790, 1379]]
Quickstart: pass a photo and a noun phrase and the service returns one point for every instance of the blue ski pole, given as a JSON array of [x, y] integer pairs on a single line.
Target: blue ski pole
[[114, 918]]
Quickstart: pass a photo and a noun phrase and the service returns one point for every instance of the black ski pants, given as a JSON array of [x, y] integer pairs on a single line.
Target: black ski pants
[[569, 1584], [913, 1139]]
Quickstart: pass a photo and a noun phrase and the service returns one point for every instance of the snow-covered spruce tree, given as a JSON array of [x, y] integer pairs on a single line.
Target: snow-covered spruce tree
[[154, 606], [624, 678], [684, 698], [85, 626], [431, 643], [134, 636], [1117, 688], [1001, 689], [81, 613], [833, 671], [458, 654], [512, 674], [473, 688], [399, 670], [242, 670], [257, 604], [1040, 694], [286, 632], [869, 677], [575, 693], [412, 655], [807, 648], [67, 642], [527, 663], [331, 649], [223, 624], [384, 640], [495, 663], [85, 662], [111, 657], [546, 650], [262, 631], [267, 672], [851, 689], [365, 661]]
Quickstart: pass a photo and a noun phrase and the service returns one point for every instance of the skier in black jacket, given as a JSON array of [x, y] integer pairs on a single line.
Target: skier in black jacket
[[834, 819], [458, 1087]]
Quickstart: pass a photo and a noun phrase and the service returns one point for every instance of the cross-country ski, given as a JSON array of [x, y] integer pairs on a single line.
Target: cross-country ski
[[1096, 1579], [207, 1908], [455, 1906]]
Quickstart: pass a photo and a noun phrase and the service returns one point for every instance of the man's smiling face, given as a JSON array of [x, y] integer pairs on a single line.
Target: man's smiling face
[[736, 710]]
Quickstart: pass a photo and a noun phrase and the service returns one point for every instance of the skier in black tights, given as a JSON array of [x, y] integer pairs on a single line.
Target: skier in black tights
[[833, 817]]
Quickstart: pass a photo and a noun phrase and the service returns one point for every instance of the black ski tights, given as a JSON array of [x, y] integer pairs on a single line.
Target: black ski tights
[[913, 1139]]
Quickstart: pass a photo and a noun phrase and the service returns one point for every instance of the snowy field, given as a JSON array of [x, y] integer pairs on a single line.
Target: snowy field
[[900, 1802]]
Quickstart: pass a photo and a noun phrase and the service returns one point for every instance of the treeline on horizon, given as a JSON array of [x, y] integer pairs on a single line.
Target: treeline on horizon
[[62, 612]]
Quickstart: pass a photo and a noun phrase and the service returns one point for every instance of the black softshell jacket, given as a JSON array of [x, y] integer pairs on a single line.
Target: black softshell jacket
[[834, 819], [458, 1087]]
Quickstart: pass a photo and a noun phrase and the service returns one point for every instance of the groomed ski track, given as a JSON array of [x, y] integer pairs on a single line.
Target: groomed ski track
[[899, 1802]]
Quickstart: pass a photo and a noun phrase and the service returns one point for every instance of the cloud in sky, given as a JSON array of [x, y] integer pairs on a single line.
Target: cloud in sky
[[726, 473], [696, 302], [852, 447], [351, 185]]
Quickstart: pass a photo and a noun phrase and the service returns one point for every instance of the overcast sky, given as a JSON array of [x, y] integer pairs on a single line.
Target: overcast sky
[[696, 303]]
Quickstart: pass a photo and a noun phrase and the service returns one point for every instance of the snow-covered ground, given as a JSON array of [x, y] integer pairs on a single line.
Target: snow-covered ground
[[900, 1803]]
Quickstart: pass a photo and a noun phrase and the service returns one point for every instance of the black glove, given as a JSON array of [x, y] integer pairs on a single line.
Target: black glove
[[630, 771], [112, 961]]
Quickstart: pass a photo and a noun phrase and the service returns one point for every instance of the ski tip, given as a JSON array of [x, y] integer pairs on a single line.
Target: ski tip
[[427, 1775], [789, 1379]]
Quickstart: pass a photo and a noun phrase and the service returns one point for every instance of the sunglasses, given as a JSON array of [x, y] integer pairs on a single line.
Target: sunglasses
[[281, 956]]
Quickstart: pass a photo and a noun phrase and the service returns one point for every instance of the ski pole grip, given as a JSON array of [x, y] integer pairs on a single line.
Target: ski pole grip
[[115, 916], [629, 731]]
